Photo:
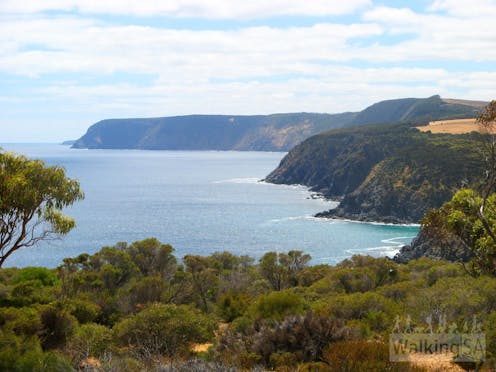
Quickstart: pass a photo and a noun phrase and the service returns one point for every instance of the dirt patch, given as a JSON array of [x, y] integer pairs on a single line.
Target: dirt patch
[[434, 363], [201, 348]]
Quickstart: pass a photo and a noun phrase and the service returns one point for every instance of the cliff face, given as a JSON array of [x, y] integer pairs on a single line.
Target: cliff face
[[390, 173], [279, 132]]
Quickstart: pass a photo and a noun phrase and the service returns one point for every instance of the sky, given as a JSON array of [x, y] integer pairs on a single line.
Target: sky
[[66, 64]]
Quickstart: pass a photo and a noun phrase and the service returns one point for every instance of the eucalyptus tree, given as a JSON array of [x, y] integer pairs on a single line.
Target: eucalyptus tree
[[32, 196]]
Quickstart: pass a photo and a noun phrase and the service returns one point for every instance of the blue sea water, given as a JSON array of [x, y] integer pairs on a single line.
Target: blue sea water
[[200, 202]]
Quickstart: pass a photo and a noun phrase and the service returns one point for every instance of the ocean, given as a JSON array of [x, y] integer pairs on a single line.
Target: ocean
[[200, 202]]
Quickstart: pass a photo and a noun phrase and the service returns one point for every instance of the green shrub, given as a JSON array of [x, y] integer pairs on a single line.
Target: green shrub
[[57, 326], [85, 311], [276, 305], [45, 276], [38, 361], [376, 310], [24, 354], [231, 306], [163, 329], [90, 340]]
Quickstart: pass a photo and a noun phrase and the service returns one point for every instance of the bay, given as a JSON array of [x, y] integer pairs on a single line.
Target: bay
[[200, 202]]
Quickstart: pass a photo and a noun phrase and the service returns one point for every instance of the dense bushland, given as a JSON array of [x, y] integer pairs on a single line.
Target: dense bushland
[[136, 307]]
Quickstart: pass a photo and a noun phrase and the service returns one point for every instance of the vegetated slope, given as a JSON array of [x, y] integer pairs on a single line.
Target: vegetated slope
[[278, 132], [391, 172], [421, 110]]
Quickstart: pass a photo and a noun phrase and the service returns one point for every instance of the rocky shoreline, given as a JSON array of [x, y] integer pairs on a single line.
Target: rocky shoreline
[[448, 248], [339, 213]]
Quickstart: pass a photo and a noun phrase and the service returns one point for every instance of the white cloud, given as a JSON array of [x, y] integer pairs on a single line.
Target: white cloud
[[325, 67], [464, 8], [433, 37], [210, 9], [336, 89], [73, 45]]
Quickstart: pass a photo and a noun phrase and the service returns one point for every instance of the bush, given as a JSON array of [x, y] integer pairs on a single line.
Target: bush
[[23, 321], [163, 329], [57, 326], [231, 306], [146, 290], [361, 355], [89, 340], [85, 311], [276, 305], [296, 339], [45, 276], [25, 354], [37, 361], [377, 311], [28, 292]]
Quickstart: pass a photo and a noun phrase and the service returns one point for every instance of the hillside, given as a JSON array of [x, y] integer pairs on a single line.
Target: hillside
[[417, 110], [391, 172], [277, 132]]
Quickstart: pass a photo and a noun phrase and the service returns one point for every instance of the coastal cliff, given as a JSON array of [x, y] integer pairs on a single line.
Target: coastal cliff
[[390, 173], [277, 132]]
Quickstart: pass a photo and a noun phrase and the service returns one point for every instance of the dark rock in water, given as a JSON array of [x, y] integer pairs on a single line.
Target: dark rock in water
[[447, 247], [370, 216]]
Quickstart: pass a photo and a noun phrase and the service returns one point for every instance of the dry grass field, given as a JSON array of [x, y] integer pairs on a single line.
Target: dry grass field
[[456, 126], [478, 104]]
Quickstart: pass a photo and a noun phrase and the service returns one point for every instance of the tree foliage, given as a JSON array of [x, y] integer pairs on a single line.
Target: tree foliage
[[32, 197], [282, 269], [470, 216], [461, 217]]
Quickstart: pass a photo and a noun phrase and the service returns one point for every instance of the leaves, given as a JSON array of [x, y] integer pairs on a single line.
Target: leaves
[[461, 217], [32, 196]]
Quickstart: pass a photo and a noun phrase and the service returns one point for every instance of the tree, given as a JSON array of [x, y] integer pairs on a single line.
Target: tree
[[204, 279], [461, 217], [281, 270], [470, 216], [32, 197], [487, 126], [153, 258]]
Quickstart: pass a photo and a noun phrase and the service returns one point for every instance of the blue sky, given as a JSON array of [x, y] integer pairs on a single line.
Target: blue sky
[[65, 64]]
